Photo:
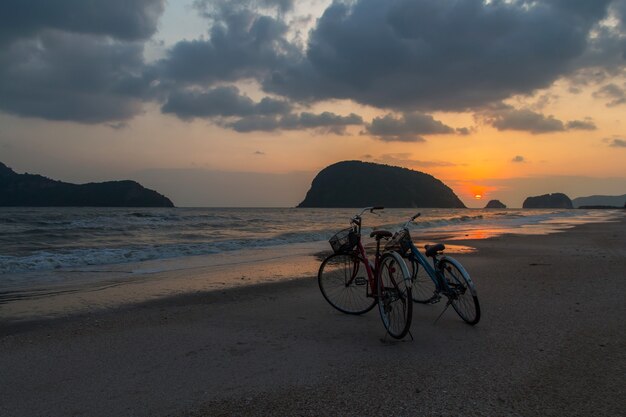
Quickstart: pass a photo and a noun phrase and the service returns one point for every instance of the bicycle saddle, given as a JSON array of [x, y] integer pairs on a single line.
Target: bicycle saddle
[[431, 250], [380, 234]]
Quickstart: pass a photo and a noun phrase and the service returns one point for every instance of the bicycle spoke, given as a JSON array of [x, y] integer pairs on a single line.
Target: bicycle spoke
[[339, 283]]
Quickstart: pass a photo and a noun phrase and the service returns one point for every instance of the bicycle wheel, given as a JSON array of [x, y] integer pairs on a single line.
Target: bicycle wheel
[[464, 302], [423, 288], [343, 281], [394, 297]]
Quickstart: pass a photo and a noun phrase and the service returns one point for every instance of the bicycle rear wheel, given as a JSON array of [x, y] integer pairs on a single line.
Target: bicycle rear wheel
[[464, 302], [394, 297], [423, 288], [342, 278]]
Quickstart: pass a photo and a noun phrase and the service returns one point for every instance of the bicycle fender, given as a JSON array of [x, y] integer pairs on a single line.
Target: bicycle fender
[[405, 271], [456, 263]]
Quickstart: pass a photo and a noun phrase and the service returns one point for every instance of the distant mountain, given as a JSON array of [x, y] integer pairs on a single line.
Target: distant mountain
[[495, 204], [600, 200], [37, 191], [362, 184], [556, 200]]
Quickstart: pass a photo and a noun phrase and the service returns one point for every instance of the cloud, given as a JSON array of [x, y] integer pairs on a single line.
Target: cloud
[[505, 117], [121, 19], [75, 60], [438, 55], [405, 160], [64, 76], [83, 61], [241, 44], [220, 101], [586, 124], [259, 153], [409, 127], [612, 92], [325, 122], [518, 159], [618, 143], [463, 131], [524, 120], [208, 8]]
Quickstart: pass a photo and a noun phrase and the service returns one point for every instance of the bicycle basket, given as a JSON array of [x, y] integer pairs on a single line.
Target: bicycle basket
[[400, 242], [344, 241]]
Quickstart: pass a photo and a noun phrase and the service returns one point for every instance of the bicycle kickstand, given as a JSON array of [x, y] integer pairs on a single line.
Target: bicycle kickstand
[[444, 310]]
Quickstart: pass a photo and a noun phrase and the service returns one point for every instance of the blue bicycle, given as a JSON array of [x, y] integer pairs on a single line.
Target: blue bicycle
[[446, 276]]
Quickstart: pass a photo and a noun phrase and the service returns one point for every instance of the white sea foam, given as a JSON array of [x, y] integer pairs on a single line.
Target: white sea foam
[[55, 238]]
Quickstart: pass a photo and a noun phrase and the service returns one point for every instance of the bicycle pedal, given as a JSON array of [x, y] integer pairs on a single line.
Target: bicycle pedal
[[360, 281], [435, 300]]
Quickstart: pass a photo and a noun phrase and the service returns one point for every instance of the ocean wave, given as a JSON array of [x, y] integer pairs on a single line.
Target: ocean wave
[[48, 239]]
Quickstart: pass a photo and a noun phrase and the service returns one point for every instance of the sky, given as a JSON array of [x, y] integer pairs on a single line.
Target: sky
[[242, 102]]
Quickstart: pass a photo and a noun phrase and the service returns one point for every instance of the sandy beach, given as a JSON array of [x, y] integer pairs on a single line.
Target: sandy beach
[[551, 342]]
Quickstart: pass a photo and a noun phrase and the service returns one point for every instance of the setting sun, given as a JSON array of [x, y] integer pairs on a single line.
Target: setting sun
[[478, 196]]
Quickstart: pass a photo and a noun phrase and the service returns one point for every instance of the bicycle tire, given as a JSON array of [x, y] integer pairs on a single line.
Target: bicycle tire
[[464, 302], [423, 288], [342, 287], [394, 297]]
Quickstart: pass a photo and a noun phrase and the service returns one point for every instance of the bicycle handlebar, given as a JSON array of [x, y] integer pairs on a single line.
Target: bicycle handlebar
[[411, 220], [370, 209], [356, 220]]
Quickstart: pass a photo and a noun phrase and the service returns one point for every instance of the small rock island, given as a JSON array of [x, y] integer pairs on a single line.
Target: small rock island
[[362, 184], [495, 204], [28, 190], [555, 200]]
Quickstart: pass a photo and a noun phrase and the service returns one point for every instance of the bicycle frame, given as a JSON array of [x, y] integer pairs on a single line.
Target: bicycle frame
[[430, 270], [440, 283], [371, 273]]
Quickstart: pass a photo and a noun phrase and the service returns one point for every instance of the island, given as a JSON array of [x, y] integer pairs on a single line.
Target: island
[[362, 184], [495, 204], [555, 200], [29, 190], [600, 201]]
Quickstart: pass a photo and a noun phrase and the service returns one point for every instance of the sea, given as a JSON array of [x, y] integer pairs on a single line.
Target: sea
[[48, 251]]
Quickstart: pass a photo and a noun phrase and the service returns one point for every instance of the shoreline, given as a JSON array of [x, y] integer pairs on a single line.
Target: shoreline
[[84, 290], [550, 343]]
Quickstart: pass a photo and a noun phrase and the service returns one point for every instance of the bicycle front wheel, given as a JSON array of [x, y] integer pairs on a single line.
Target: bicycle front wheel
[[343, 281], [394, 297], [465, 303], [423, 288]]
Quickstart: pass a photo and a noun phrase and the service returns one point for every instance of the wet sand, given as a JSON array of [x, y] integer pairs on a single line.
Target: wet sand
[[551, 342]]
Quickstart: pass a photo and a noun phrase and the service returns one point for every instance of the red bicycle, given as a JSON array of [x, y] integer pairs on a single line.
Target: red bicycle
[[353, 284]]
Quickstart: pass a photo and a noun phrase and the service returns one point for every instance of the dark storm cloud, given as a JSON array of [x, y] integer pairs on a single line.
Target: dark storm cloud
[[62, 76], [220, 101], [325, 122], [121, 19], [620, 9], [448, 55], [230, 109], [407, 128], [73, 59], [83, 61], [241, 44]]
